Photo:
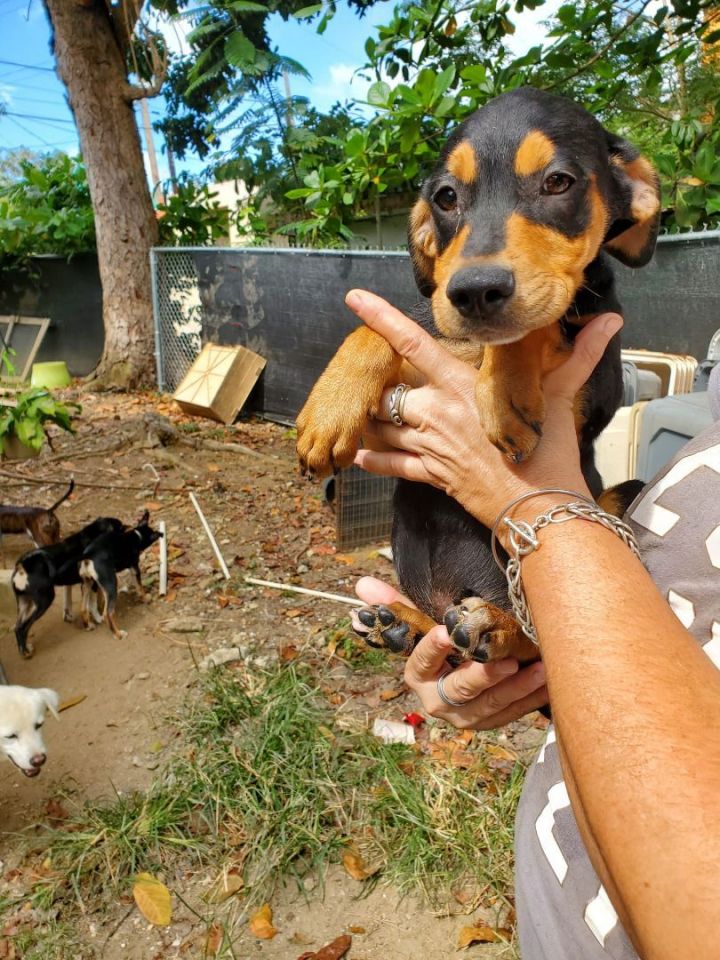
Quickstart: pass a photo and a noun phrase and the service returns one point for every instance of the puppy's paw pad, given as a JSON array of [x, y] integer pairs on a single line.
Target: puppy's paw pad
[[470, 625], [380, 627]]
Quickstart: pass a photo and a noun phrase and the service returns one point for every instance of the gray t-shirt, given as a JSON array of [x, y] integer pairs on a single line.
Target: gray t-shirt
[[563, 910]]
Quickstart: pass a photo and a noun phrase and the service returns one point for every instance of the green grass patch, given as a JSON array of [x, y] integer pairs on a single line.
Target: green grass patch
[[268, 779]]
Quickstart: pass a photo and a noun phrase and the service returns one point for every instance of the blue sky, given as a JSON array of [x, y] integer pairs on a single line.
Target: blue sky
[[38, 117]]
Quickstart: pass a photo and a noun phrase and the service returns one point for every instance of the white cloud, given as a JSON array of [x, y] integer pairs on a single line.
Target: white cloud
[[529, 29], [6, 94]]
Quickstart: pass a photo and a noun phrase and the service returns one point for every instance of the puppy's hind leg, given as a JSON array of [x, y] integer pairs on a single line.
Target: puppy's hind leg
[[67, 605], [29, 610], [142, 593], [395, 626], [109, 592], [86, 589]]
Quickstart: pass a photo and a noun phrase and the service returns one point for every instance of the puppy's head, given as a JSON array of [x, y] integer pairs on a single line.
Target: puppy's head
[[529, 189], [22, 714], [145, 532]]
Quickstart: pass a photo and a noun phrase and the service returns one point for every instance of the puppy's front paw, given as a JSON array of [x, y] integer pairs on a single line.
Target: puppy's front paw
[[482, 632], [512, 414], [28, 652], [67, 616], [394, 627], [328, 436]]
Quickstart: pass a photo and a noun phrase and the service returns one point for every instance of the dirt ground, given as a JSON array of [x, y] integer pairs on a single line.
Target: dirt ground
[[269, 522]]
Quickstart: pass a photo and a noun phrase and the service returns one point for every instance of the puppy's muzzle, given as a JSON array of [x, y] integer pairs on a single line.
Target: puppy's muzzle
[[481, 292], [36, 762]]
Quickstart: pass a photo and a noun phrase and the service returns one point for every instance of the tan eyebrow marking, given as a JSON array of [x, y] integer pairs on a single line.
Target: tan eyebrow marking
[[534, 153], [462, 162]]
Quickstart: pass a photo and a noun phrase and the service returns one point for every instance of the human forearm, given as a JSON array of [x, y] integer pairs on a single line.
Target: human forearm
[[637, 708]]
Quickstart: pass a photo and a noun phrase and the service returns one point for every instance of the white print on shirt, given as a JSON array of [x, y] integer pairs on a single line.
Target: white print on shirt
[[558, 799], [659, 520], [600, 916]]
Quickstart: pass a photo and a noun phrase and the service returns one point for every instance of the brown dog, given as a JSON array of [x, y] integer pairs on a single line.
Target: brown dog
[[509, 242], [39, 523]]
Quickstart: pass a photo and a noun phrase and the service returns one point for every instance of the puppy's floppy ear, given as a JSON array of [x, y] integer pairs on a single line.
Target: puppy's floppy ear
[[636, 209], [51, 700], [142, 522], [422, 244]]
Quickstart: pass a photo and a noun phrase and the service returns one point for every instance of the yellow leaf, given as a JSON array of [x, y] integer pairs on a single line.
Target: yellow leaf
[[392, 693], [260, 923], [481, 933], [153, 899]]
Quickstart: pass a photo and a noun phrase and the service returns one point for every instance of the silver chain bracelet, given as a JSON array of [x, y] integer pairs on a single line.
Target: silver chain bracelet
[[523, 540]]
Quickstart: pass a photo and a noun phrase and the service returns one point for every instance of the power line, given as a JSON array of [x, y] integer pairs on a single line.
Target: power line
[[32, 116], [36, 136], [26, 66]]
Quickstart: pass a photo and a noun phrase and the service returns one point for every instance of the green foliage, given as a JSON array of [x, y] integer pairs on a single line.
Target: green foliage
[[640, 69], [191, 215], [46, 209], [34, 409]]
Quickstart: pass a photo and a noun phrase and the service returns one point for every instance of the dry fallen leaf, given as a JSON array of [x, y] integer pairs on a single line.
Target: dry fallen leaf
[[501, 753], [227, 885], [153, 899], [331, 951], [392, 693], [355, 865], [260, 923], [72, 702], [289, 652], [481, 933], [214, 940]]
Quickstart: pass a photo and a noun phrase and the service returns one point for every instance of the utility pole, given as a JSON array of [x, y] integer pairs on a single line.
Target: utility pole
[[150, 144], [288, 103]]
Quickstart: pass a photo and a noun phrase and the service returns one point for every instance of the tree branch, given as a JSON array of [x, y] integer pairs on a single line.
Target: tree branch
[[601, 53]]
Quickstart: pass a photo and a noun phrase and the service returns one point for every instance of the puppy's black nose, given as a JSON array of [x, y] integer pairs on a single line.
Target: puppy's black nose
[[38, 759], [480, 291]]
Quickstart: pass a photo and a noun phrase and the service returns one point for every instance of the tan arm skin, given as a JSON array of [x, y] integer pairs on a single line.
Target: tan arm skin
[[635, 700]]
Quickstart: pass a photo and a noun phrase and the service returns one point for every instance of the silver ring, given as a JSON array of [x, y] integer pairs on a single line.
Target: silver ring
[[444, 697], [397, 404]]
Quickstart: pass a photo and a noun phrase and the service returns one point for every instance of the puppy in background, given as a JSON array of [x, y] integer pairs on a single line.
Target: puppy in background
[[22, 714], [39, 523], [101, 562]]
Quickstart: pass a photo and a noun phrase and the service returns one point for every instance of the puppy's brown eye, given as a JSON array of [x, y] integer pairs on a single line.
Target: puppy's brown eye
[[558, 183], [446, 198]]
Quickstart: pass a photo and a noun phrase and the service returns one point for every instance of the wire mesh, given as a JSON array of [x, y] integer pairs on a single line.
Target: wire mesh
[[178, 315], [364, 508]]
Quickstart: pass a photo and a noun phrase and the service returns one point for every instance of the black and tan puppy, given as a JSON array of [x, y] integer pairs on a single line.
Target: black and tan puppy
[[508, 243], [103, 560], [38, 572]]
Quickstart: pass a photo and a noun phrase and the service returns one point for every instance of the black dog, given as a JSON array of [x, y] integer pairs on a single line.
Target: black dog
[[103, 560], [38, 572], [507, 244]]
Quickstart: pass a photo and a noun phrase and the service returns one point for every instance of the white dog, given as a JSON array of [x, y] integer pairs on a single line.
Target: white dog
[[22, 714]]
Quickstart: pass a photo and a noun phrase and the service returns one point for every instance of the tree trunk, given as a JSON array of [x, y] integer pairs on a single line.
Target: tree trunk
[[90, 63]]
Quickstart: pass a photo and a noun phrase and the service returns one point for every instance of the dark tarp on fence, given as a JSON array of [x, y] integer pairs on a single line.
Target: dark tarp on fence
[[287, 305]]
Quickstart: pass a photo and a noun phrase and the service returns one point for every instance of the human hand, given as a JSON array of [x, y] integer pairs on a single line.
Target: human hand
[[496, 693], [442, 441]]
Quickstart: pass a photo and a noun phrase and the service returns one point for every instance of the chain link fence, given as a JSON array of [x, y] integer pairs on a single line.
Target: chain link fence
[[286, 305], [178, 315]]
